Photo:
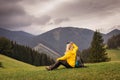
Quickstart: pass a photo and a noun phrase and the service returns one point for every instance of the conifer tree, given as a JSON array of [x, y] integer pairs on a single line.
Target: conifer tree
[[97, 50], [5, 46]]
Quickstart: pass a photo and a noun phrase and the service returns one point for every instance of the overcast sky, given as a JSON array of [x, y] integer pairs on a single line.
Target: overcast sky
[[39, 16]]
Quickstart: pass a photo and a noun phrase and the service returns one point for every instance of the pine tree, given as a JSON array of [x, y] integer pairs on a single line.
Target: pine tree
[[97, 50], [5, 46]]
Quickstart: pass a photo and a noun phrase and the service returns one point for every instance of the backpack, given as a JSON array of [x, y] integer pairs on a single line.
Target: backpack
[[79, 61]]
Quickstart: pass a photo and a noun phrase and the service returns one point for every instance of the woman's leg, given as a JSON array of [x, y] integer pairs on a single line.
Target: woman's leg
[[58, 63]]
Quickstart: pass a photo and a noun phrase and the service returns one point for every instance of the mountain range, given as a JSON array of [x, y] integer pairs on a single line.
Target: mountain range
[[20, 37], [55, 39]]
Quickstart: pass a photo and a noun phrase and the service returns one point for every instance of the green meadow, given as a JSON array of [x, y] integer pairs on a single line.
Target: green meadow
[[15, 70]]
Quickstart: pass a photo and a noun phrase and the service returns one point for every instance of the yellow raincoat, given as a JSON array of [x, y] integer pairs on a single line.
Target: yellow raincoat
[[70, 56]]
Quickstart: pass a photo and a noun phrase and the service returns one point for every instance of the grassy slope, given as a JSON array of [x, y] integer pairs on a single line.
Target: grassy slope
[[114, 54], [15, 70]]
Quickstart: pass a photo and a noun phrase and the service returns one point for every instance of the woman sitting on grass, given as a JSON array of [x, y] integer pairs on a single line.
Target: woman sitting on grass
[[69, 58]]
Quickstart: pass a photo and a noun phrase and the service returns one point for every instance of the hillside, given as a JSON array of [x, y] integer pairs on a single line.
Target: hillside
[[49, 52], [16, 70], [114, 54]]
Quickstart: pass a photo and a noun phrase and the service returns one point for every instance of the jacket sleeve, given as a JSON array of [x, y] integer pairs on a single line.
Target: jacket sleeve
[[75, 48], [64, 57], [68, 54]]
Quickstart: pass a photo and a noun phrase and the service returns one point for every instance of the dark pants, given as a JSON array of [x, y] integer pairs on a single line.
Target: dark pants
[[60, 62]]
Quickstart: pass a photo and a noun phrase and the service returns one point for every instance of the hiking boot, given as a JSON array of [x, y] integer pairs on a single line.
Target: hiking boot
[[48, 68]]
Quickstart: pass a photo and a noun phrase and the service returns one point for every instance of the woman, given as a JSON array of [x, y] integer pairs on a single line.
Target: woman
[[69, 58]]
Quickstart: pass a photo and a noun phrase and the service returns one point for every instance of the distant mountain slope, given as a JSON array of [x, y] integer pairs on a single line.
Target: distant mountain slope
[[20, 37], [58, 37], [27, 39], [44, 49], [110, 34]]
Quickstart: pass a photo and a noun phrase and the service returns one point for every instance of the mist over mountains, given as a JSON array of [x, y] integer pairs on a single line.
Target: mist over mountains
[[56, 39]]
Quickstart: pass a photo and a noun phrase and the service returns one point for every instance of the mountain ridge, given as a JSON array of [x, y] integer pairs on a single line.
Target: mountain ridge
[[56, 38], [20, 37]]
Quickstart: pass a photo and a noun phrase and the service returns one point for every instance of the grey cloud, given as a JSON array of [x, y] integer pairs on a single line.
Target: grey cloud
[[87, 7], [60, 20], [11, 10], [13, 15], [43, 20], [31, 2], [16, 21], [8, 1]]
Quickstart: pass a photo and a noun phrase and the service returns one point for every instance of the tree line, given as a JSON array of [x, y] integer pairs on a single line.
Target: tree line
[[23, 53], [114, 42]]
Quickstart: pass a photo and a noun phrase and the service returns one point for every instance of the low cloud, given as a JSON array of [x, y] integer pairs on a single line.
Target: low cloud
[[35, 1], [60, 20], [42, 20]]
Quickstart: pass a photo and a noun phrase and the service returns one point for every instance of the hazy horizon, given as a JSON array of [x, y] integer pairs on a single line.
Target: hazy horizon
[[39, 16], [62, 27]]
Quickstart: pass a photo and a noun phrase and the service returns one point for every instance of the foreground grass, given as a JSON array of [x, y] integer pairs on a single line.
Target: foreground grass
[[16, 70]]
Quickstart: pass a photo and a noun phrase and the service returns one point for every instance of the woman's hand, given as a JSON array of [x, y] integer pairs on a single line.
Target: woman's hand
[[71, 46], [71, 43]]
